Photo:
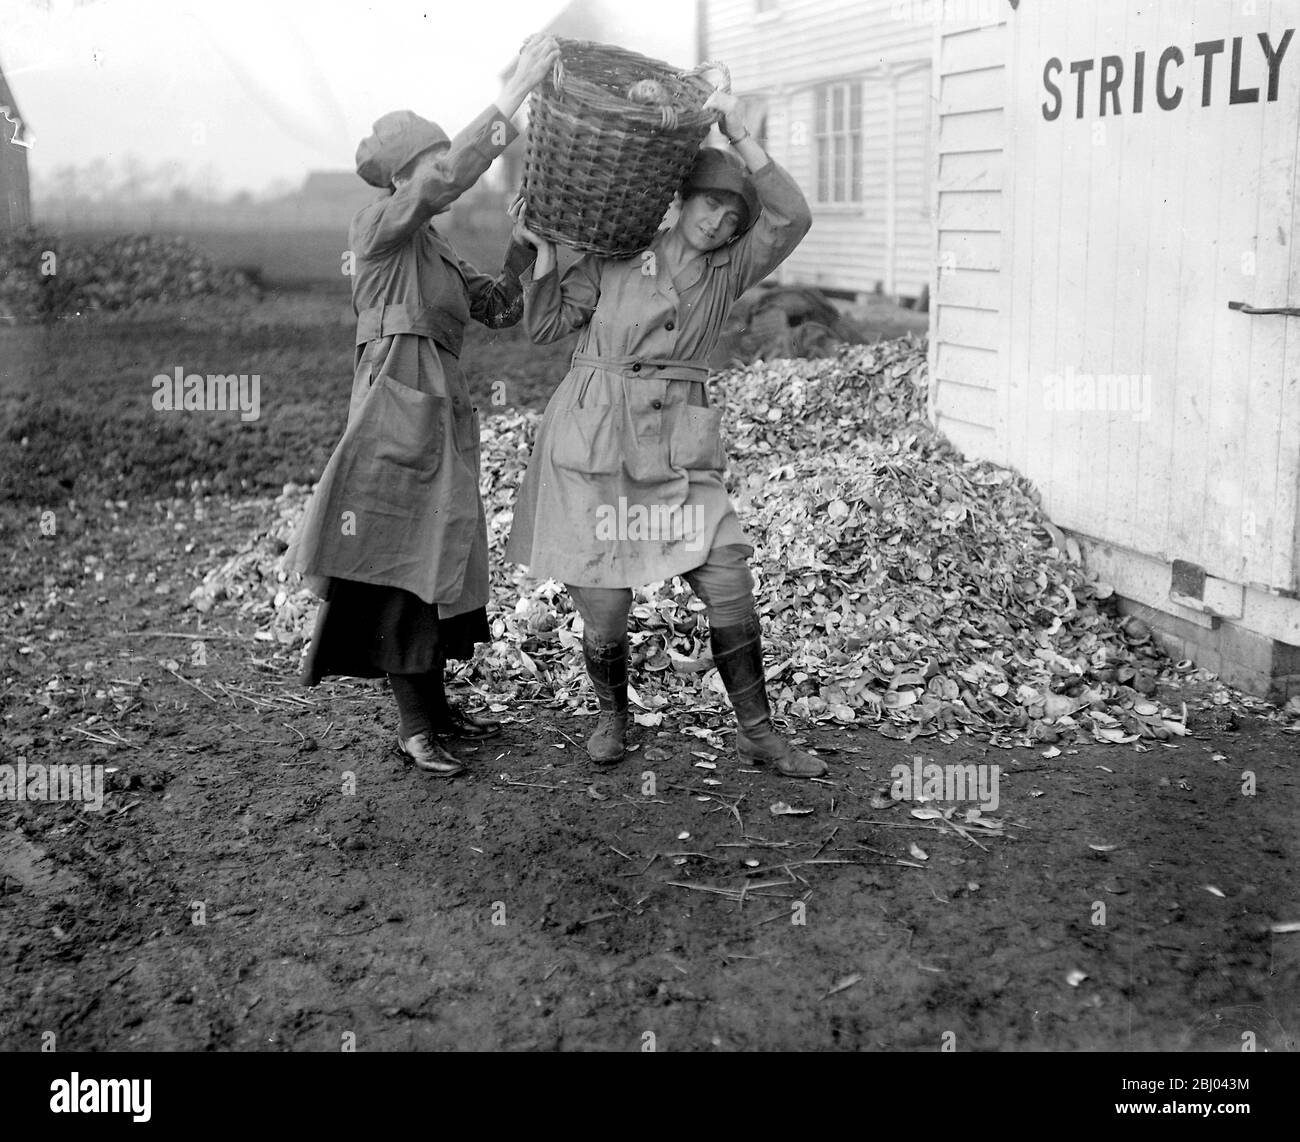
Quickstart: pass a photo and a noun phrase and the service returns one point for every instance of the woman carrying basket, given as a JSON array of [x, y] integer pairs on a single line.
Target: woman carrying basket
[[629, 435], [394, 538]]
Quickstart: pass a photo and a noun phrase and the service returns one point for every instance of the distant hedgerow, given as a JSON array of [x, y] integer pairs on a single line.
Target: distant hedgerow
[[44, 276]]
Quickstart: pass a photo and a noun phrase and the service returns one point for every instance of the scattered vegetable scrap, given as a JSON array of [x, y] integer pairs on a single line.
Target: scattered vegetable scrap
[[901, 586]]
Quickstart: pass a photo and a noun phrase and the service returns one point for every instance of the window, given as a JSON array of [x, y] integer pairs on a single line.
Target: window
[[839, 142]]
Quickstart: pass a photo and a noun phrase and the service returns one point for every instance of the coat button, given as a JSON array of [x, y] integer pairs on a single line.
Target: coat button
[[656, 404], [636, 367], [670, 327]]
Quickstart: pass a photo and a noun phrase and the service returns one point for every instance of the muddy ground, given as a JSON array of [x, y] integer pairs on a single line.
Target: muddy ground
[[535, 903], [538, 904]]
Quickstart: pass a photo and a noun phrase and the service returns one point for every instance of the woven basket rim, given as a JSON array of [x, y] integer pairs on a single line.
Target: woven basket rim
[[601, 168], [583, 93]]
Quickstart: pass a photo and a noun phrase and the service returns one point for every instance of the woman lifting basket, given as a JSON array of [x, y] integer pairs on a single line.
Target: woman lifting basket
[[394, 537], [630, 434]]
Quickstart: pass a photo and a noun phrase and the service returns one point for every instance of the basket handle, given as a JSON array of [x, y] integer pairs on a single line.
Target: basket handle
[[714, 65], [557, 72]]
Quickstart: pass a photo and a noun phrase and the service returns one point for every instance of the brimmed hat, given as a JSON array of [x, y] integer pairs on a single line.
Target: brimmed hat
[[716, 169], [398, 137]]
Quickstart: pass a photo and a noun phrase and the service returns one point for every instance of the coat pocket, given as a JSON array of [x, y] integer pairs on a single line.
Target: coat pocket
[[587, 439], [696, 440], [465, 430], [402, 428]]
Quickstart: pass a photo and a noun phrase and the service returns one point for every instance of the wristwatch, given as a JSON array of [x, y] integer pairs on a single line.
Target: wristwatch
[[737, 139]]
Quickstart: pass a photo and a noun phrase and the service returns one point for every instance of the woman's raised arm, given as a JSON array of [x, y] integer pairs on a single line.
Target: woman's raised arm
[[555, 306], [391, 221], [785, 217], [436, 185]]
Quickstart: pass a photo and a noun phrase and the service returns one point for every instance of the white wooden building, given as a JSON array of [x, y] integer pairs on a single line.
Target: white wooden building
[[1110, 176], [838, 91], [15, 140]]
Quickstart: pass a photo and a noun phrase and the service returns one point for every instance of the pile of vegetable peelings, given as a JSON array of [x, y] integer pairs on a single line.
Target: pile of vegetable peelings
[[900, 586]]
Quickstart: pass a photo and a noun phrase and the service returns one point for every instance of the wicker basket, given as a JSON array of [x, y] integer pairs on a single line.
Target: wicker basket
[[600, 167]]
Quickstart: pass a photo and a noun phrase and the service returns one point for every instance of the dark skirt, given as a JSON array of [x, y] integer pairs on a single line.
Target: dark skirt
[[366, 631]]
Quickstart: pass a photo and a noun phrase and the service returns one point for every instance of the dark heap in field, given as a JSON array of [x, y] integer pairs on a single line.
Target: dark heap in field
[[901, 585], [44, 276]]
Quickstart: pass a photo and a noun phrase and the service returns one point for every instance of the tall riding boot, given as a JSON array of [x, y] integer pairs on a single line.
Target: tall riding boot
[[607, 669], [738, 655]]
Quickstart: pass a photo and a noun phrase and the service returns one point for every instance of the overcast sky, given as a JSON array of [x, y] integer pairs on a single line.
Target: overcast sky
[[260, 90]]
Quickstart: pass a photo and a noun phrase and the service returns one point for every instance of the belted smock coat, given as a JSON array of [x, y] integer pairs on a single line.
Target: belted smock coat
[[624, 486], [398, 503]]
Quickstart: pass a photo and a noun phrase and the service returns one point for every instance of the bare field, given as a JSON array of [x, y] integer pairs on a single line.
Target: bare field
[[536, 903]]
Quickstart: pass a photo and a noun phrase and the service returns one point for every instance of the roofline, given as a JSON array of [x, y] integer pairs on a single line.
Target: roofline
[[7, 98]]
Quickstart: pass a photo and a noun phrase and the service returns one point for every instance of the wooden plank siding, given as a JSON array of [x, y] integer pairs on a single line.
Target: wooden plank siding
[[1271, 476], [967, 351], [776, 61], [1122, 238], [1287, 483], [1131, 234]]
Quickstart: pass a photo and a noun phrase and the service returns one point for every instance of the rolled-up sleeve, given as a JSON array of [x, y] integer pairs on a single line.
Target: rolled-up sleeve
[[555, 306], [392, 220], [781, 226]]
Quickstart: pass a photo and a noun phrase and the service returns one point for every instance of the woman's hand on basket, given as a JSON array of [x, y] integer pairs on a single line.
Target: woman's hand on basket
[[536, 60], [733, 126], [535, 63], [729, 107], [523, 235]]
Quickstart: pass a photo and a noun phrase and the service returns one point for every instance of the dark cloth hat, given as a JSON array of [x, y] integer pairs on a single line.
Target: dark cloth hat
[[716, 169], [398, 137]]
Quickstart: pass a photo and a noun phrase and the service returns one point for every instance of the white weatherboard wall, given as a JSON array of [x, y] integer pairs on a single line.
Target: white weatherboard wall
[[1088, 237], [777, 58], [968, 355]]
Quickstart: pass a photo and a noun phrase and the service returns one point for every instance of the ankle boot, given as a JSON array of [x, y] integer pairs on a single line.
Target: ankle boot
[[738, 655], [607, 669], [424, 752], [415, 740], [448, 719]]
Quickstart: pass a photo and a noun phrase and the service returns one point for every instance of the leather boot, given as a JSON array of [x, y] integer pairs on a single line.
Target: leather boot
[[607, 669], [738, 655], [415, 740], [449, 720], [423, 752]]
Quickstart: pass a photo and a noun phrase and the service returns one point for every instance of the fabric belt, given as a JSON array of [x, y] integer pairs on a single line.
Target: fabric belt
[[659, 368], [443, 325]]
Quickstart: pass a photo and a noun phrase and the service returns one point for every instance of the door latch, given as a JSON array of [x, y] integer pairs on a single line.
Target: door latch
[[1285, 311]]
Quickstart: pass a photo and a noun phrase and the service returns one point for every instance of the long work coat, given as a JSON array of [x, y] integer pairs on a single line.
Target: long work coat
[[625, 486], [398, 503]]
